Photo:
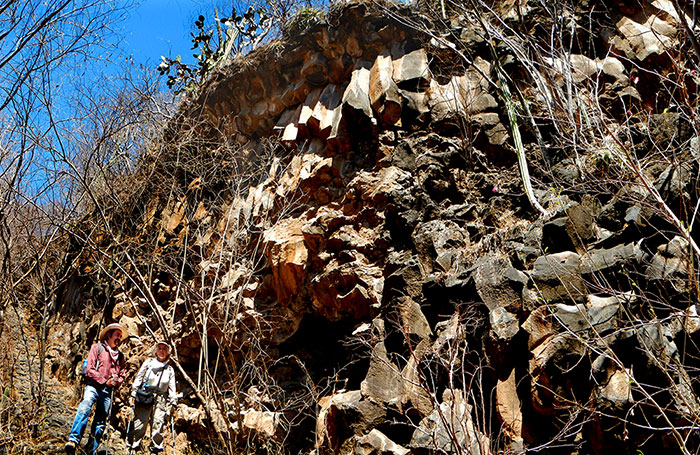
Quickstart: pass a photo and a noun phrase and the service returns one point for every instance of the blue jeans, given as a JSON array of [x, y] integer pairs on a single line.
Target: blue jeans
[[93, 394]]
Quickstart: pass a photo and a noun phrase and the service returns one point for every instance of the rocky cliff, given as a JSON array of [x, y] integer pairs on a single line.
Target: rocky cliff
[[461, 228]]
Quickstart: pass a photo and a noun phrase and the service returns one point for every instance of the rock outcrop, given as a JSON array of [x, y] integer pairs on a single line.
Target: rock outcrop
[[382, 284]]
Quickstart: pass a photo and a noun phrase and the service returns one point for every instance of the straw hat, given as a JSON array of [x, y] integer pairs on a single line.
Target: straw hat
[[109, 328]]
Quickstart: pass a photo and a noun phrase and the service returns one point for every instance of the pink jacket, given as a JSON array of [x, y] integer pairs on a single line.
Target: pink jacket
[[101, 367]]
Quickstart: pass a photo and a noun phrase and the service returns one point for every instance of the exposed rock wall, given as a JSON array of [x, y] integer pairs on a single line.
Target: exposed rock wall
[[390, 269]]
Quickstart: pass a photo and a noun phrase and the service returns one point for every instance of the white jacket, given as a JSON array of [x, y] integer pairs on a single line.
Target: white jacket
[[159, 376]]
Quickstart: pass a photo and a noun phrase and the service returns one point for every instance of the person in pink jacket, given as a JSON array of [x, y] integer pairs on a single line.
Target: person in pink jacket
[[105, 373]]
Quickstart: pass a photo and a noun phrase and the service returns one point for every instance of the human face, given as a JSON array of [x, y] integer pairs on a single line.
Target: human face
[[162, 352], [114, 339]]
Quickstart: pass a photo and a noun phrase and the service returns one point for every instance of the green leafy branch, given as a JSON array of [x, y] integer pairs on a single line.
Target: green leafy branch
[[243, 34]]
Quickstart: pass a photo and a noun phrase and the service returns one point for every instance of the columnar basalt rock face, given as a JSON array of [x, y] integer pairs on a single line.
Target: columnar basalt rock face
[[342, 74], [393, 223]]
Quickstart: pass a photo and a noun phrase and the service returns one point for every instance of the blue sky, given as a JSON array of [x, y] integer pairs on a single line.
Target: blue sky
[[162, 27]]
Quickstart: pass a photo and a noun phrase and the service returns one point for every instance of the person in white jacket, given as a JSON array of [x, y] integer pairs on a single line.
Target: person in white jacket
[[157, 377]]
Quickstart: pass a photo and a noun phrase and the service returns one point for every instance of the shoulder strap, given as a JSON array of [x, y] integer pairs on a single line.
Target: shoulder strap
[[100, 348], [165, 367]]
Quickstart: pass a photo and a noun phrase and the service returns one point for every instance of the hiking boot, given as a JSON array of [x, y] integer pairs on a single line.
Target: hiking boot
[[69, 447]]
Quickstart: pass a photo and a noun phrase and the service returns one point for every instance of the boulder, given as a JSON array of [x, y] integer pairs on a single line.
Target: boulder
[[656, 342], [498, 284], [405, 275], [580, 224], [555, 237], [377, 443], [673, 181], [691, 322], [384, 95], [416, 392], [411, 319], [579, 317], [133, 325], [173, 216], [449, 331], [695, 148], [198, 420], [321, 224], [459, 97], [383, 383], [288, 256], [347, 288], [356, 95], [559, 376], [382, 186], [296, 93], [326, 114], [414, 104], [567, 171], [539, 326], [648, 33], [617, 391], [411, 70], [489, 123], [509, 410], [669, 129], [599, 315], [348, 238], [671, 264], [307, 110], [450, 428], [504, 324], [439, 242], [570, 232], [343, 415], [558, 276], [123, 307], [607, 74], [263, 424]]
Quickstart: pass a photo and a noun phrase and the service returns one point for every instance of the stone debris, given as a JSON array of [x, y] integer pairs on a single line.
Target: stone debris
[[376, 443], [378, 267]]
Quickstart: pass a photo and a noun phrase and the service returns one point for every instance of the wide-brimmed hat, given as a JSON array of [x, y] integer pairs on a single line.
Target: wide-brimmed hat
[[109, 328]]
